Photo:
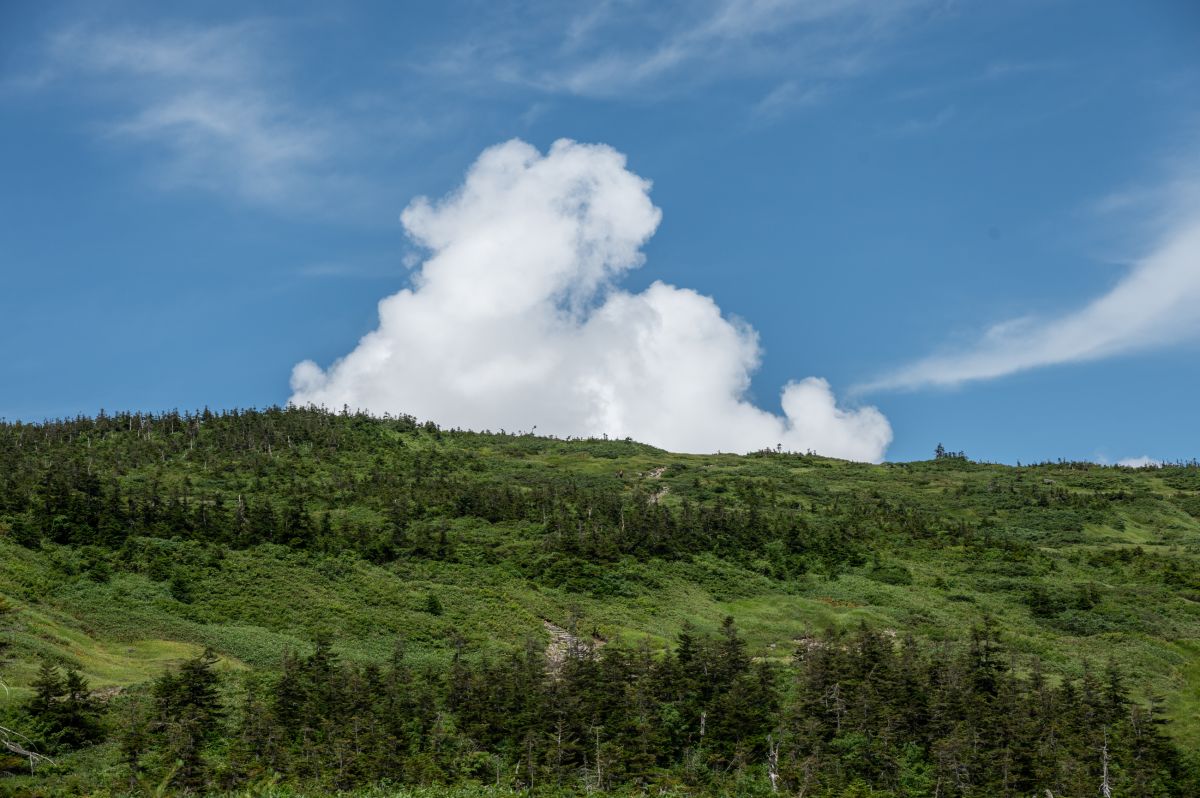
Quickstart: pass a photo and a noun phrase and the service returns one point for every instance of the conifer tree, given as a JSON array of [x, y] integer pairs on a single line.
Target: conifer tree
[[47, 686], [188, 710]]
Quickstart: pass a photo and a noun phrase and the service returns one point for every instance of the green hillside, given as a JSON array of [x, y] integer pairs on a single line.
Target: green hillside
[[129, 544]]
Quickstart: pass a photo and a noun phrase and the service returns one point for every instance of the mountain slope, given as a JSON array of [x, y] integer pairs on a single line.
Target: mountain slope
[[131, 542]]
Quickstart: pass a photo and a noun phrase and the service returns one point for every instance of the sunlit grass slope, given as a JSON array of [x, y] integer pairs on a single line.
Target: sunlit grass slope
[[1071, 562]]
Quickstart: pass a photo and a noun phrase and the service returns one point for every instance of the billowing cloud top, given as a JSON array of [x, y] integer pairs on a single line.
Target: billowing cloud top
[[514, 321]]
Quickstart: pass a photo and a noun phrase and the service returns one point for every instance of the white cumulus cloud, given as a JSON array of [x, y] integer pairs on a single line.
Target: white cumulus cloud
[[515, 320], [1140, 462]]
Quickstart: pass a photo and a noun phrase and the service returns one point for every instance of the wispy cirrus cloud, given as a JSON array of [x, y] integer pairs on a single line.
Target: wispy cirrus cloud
[[209, 100], [667, 48], [226, 53], [992, 74], [217, 107], [922, 125], [214, 107], [788, 96], [1153, 305]]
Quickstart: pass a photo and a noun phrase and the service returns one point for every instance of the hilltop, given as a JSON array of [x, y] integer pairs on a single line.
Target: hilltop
[[130, 543]]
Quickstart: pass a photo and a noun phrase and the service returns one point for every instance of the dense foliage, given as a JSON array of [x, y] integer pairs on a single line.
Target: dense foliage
[[857, 710], [391, 586]]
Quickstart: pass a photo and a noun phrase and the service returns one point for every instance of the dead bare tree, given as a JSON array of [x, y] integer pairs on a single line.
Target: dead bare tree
[[773, 762], [1105, 787], [809, 770], [834, 703], [8, 738]]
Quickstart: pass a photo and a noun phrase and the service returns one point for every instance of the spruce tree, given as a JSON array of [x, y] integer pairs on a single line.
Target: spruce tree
[[189, 712], [47, 686]]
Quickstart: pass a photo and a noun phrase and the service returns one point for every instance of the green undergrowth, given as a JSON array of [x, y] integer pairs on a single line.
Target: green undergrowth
[[1072, 563]]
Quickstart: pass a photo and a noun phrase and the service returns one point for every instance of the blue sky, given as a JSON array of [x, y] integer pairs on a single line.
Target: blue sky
[[980, 219]]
